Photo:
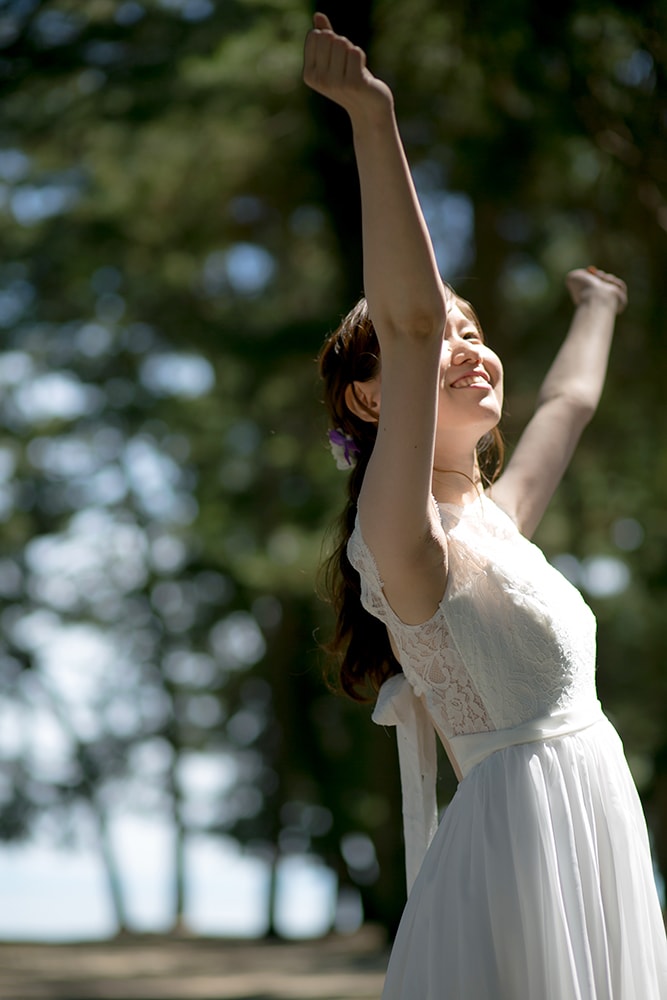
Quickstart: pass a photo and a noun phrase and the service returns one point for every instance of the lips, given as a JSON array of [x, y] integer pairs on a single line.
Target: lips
[[476, 378]]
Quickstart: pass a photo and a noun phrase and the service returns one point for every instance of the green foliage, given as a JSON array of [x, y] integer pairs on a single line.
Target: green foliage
[[180, 228]]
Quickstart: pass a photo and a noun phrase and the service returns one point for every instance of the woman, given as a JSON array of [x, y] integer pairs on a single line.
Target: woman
[[538, 882]]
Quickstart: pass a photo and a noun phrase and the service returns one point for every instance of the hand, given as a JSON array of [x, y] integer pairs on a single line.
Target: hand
[[588, 284], [336, 68]]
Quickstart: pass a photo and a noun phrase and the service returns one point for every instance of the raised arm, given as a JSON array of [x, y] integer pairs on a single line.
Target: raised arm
[[401, 279], [567, 399], [407, 305]]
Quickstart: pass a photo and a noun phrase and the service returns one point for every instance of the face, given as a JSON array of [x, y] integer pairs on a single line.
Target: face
[[471, 375]]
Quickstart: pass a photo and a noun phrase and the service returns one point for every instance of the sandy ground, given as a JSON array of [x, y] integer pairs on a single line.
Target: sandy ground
[[180, 968]]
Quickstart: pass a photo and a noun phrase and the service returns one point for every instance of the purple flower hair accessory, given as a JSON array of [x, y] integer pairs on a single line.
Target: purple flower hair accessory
[[343, 448]]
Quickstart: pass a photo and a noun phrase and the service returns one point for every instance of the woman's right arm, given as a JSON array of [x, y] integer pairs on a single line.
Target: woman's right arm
[[407, 304], [401, 279]]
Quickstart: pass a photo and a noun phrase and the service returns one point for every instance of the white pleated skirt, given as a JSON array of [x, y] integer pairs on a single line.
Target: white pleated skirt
[[538, 884]]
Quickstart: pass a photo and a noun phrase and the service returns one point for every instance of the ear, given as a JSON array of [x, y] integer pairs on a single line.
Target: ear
[[363, 399]]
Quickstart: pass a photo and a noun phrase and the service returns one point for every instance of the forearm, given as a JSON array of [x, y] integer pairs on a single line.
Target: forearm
[[401, 279], [579, 369], [403, 287]]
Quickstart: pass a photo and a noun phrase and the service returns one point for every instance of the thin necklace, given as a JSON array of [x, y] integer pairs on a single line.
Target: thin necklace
[[477, 486]]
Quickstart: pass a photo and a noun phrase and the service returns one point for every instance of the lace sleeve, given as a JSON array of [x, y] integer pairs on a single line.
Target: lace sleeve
[[426, 652]]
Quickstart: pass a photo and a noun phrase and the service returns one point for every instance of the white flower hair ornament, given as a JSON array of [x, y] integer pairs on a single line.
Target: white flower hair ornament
[[343, 448]]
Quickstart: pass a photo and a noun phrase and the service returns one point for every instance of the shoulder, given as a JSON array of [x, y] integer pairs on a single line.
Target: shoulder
[[399, 590]]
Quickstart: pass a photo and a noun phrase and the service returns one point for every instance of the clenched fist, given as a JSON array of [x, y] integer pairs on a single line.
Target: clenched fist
[[336, 68], [586, 284]]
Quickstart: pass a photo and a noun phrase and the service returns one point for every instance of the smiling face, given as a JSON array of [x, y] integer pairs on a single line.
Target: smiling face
[[471, 375]]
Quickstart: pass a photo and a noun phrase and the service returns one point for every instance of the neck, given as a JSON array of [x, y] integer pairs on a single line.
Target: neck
[[454, 486], [456, 476]]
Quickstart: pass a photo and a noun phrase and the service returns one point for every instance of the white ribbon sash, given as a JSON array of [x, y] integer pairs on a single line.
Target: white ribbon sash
[[472, 748], [398, 705]]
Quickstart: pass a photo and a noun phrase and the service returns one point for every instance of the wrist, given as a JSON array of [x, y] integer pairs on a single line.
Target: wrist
[[374, 112], [601, 300]]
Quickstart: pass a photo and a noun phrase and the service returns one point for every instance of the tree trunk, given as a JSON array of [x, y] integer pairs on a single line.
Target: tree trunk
[[111, 869]]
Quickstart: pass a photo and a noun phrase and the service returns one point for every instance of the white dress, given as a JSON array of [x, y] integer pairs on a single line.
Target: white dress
[[538, 882]]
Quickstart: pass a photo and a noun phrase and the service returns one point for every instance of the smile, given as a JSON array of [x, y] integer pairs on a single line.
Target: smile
[[475, 380]]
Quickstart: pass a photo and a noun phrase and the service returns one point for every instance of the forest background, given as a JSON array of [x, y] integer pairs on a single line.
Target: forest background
[[180, 229]]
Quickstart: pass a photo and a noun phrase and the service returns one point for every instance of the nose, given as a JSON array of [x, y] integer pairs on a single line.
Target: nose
[[465, 351]]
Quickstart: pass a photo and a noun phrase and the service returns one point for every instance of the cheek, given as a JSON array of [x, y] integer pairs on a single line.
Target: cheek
[[499, 383], [445, 359], [495, 365]]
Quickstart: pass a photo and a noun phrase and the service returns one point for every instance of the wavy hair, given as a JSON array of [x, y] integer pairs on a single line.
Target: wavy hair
[[360, 645]]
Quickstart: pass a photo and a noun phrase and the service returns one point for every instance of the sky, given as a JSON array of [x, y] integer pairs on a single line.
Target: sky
[[59, 894]]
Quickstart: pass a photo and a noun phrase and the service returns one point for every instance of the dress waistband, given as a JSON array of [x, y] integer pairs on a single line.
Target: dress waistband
[[472, 748]]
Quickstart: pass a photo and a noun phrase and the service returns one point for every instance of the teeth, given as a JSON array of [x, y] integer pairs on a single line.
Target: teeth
[[471, 380]]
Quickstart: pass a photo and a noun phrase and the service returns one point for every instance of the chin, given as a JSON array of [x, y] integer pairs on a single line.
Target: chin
[[491, 416]]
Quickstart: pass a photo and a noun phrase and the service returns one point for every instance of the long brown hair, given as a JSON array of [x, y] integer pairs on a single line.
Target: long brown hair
[[360, 644]]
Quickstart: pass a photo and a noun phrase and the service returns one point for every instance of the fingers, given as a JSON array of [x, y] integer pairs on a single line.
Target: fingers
[[330, 60], [605, 276], [316, 55], [611, 279], [581, 281], [336, 68], [317, 52], [338, 59], [321, 22]]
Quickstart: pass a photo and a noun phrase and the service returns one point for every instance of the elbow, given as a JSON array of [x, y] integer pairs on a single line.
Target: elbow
[[586, 409], [430, 322], [582, 405], [578, 407], [424, 321], [582, 412]]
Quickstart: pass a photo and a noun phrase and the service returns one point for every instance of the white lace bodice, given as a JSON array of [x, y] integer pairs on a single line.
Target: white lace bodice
[[511, 640]]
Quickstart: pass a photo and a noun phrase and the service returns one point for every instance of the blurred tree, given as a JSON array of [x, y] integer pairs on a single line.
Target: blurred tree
[[180, 228], [165, 290]]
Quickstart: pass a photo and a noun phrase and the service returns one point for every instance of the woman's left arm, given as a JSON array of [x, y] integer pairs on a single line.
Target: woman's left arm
[[567, 400]]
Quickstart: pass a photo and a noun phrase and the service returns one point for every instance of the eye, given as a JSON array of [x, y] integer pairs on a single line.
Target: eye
[[472, 335]]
